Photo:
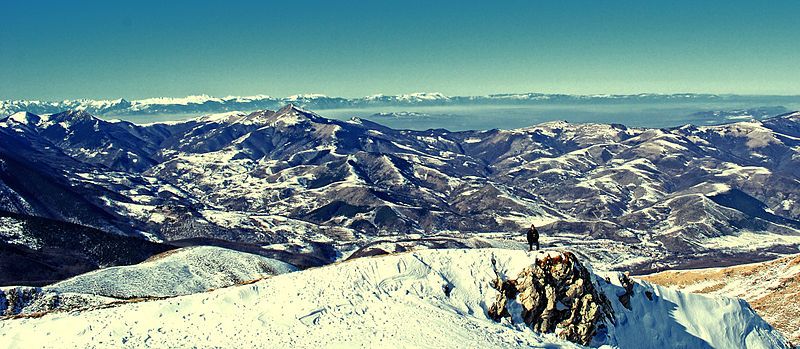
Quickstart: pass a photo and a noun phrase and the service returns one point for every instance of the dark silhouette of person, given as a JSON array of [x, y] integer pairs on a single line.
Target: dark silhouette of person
[[533, 238]]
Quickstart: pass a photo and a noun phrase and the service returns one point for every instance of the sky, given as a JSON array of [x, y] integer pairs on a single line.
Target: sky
[[54, 50]]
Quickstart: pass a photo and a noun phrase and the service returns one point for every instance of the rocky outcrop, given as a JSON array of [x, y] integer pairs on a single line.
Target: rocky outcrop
[[554, 295], [627, 285]]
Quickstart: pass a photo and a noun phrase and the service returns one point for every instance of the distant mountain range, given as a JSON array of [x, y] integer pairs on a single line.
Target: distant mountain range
[[208, 104], [631, 198]]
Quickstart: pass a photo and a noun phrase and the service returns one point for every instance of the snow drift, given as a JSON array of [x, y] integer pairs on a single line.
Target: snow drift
[[430, 298]]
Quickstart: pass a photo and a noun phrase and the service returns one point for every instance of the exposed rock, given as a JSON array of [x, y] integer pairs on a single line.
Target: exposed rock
[[627, 284], [554, 295]]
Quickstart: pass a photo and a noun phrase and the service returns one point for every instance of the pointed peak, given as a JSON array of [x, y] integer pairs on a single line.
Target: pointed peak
[[288, 115], [24, 117], [291, 114], [287, 108], [293, 108]]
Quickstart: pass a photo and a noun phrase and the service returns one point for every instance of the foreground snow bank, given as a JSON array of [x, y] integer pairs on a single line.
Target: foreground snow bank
[[432, 298]]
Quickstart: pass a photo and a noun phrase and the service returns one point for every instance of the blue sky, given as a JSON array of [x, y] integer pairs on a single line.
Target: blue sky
[[136, 49]]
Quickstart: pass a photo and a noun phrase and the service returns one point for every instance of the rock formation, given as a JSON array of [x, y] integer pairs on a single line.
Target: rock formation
[[554, 295]]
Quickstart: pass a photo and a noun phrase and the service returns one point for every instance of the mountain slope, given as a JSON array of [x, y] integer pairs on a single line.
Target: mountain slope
[[770, 287], [437, 298]]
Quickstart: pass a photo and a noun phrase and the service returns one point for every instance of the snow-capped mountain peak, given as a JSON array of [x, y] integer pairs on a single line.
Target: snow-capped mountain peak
[[292, 114], [24, 118], [289, 115]]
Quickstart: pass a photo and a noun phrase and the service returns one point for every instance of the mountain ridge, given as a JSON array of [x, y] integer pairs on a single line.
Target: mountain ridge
[[653, 198]]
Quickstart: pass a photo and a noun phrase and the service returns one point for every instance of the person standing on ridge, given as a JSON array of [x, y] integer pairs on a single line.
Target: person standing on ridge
[[533, 238]]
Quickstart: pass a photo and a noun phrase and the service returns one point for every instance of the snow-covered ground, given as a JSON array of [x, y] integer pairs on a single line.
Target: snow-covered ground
[[427, 299]]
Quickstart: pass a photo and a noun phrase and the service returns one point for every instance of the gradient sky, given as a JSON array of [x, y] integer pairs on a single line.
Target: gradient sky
[[137, 49]]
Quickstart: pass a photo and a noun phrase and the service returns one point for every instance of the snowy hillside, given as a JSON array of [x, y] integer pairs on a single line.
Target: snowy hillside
[[434, 298], [772, 288], [177, 272]]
